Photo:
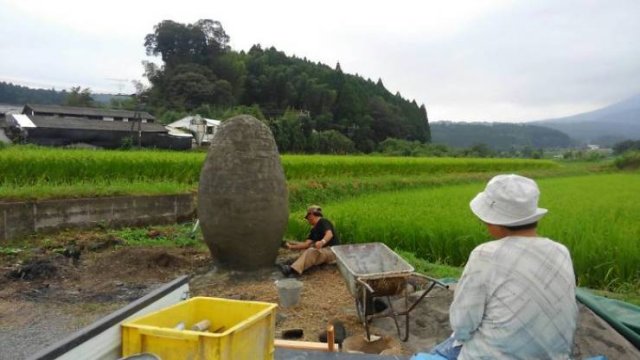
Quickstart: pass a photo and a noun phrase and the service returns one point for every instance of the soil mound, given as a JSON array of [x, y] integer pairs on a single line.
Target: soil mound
[[35, 269], [166, 260]]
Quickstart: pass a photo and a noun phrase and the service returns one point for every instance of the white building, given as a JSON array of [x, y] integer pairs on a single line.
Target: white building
[[202, 129]]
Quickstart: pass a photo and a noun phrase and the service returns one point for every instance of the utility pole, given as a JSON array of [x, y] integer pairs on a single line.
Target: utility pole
[[137, 120], [139, 130], [119, 83]]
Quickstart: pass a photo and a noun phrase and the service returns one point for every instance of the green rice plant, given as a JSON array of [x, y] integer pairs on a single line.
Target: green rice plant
[[434, 223], [28, 165], [303, 192], [435, 270], [24, 165], [327, 166], [96, 188], [31, 172], [596, 217]]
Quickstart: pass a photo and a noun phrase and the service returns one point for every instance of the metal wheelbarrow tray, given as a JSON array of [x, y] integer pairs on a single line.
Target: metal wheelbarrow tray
[[373, 270]]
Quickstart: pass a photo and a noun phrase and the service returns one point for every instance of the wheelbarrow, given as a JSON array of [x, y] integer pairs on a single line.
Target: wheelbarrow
[[373, 270]]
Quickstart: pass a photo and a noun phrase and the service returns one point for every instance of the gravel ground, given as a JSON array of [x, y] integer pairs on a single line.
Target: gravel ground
[[46, 297], [41, 325]]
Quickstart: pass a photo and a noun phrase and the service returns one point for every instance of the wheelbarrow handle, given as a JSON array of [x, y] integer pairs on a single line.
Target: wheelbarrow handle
[[437, 282], [432, 285], [365, 284]]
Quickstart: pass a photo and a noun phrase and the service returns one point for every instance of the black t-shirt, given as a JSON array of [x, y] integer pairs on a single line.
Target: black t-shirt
[[317, 232]]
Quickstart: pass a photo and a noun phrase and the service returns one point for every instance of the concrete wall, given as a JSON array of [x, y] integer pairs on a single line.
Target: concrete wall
[[19, 219]]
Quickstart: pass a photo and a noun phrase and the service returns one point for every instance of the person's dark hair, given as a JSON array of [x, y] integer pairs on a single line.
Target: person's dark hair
[[522, 227]]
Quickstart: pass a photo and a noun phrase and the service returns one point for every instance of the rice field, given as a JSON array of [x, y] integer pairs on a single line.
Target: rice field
[[29, 172], [326, 166], [597, 217], [28, 165], [418, 205]]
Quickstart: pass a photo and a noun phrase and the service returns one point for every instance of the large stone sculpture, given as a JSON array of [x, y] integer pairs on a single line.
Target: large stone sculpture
[[242, 197]]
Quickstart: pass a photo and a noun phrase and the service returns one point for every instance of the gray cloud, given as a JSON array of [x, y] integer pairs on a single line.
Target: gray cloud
[[497, 61], [558, 60]]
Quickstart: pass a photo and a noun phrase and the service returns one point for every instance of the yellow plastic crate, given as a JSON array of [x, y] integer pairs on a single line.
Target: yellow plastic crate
[[247, 332]]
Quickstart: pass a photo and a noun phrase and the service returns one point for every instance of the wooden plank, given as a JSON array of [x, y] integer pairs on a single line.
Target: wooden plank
[[302, 345]]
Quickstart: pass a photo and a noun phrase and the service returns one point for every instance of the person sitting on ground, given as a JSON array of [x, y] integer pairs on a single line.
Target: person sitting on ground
[[316, 246], [516, 297]]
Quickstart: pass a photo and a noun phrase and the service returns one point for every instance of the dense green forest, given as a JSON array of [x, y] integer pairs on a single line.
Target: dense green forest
[[20, 95], [309, 106], [498, 136]]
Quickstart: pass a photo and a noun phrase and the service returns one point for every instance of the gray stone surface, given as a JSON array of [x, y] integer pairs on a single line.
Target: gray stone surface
[[242, 197]]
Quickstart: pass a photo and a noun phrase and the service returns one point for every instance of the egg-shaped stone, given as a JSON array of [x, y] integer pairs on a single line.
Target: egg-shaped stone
[[242, 197]]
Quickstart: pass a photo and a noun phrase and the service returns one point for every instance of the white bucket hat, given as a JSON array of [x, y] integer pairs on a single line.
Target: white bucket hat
[[508, 200]]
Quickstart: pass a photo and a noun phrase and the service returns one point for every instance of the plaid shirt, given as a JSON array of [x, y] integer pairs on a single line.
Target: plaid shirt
[[516, 300]]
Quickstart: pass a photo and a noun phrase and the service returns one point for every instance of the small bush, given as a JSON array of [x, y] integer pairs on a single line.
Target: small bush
[[629, 161]]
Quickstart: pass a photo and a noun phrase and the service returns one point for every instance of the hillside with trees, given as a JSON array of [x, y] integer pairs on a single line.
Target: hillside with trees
[[498, 136], [20, 95], [76, 96], [309, 106]]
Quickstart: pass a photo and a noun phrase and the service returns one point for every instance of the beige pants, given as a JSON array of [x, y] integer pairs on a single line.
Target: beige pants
[[311, 257]]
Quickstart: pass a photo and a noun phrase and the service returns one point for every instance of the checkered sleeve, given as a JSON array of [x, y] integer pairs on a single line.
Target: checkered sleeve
[[469, 300]]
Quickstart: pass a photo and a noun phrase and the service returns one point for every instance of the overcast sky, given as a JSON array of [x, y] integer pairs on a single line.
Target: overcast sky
[[487, 60]]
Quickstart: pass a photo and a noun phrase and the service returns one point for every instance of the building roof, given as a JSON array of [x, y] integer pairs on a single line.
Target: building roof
[[55, 122], [84, 111], [23, 120], [186, 121], [178, 132], [8, 108]]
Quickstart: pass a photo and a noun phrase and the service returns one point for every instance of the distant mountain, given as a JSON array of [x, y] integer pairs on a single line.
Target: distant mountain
[[498, 136], [606, 126], [20, 95]]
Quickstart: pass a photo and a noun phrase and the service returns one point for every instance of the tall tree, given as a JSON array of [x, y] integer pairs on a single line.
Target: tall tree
[[200, 71], [200, 43], [79, 97]]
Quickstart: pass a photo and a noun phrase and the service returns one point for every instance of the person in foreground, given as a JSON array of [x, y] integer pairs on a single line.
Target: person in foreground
[[516, 296], [317, 245]]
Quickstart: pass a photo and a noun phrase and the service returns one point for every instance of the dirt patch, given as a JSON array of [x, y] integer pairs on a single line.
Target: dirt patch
[[383, 345], [324, 297], [115, 275], [166, 260], [50, 291]]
